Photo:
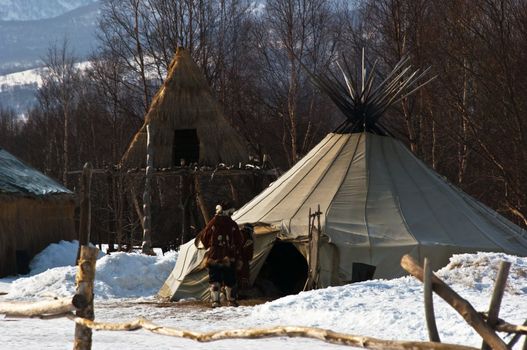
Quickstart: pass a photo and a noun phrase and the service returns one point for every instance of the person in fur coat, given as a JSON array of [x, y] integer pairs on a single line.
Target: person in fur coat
[[224, 243]]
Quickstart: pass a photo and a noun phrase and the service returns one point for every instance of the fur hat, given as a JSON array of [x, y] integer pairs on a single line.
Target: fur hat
[[219, 209]]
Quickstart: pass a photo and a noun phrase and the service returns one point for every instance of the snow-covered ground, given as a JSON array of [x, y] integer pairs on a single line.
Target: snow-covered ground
[[126, 285]]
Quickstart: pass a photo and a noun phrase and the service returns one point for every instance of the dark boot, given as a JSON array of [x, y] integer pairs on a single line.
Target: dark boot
[[230, 294], [215, 295]]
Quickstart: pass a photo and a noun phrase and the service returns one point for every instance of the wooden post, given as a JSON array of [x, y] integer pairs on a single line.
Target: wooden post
[[313, 253], [84, 280], [146, 246], [234, 194], [463, 307], [316, 248], [137, 207], [200, 200], [185, 192], [110, 216], [497, 296], [85, 208], [131, 216], [119, 207], [433, 334]]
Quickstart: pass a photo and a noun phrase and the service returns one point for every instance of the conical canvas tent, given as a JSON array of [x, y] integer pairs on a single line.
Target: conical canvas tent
[[188, 123], [378, 202]]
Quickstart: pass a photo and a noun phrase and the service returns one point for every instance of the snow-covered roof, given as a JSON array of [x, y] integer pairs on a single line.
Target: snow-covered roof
[[18, 178]]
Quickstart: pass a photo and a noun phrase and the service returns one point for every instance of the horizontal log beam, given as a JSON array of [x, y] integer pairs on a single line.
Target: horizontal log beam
[[181, 171], [325, 335], [46, 308]]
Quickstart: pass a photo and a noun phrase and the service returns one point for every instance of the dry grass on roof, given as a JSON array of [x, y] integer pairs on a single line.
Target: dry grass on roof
[[186, 102]]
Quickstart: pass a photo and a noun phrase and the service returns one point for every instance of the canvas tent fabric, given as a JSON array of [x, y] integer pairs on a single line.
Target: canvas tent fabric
[[378, 202], [185, 103]]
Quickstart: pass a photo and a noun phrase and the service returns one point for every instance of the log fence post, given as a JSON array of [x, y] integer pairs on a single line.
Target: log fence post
[[84, 281], [497, 296], [463, 307], [433, 334], [314, 234]]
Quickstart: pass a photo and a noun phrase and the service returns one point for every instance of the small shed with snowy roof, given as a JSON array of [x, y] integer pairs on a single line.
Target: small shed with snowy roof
[[35, 211]]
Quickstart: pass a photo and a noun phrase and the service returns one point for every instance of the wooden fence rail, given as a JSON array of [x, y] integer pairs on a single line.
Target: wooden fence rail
[[43, 309], [325, 335]]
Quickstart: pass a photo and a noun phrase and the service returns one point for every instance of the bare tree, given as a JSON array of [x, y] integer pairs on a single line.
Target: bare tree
[[290, 32], [10, 126], [59, 81]]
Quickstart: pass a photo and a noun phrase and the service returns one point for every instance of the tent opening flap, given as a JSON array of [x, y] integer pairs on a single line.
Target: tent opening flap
[[284, 271]]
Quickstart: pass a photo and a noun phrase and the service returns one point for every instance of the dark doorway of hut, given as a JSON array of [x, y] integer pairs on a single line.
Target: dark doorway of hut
[[284, 272], [186, 147]]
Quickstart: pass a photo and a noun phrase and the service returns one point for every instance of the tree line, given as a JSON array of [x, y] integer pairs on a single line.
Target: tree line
[[468, 124]]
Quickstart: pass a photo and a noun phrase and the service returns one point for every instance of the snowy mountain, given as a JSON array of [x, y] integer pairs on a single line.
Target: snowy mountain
[[18, 90], [26, 10], [29, 27]]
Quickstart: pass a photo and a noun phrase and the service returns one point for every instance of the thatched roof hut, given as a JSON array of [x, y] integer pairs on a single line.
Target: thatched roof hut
[[187, 123], [34, 212]]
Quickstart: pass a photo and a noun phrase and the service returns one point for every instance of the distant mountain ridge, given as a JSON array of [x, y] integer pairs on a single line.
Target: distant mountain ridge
[[18, 90], [28, 10], [23, 43], [28, 28]]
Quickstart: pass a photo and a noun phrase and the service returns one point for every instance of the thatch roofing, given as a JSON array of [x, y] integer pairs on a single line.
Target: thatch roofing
[[186, 102], [18, 178]]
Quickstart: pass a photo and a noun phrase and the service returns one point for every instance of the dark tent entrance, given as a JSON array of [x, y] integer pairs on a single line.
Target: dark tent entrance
[[284, 271]]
